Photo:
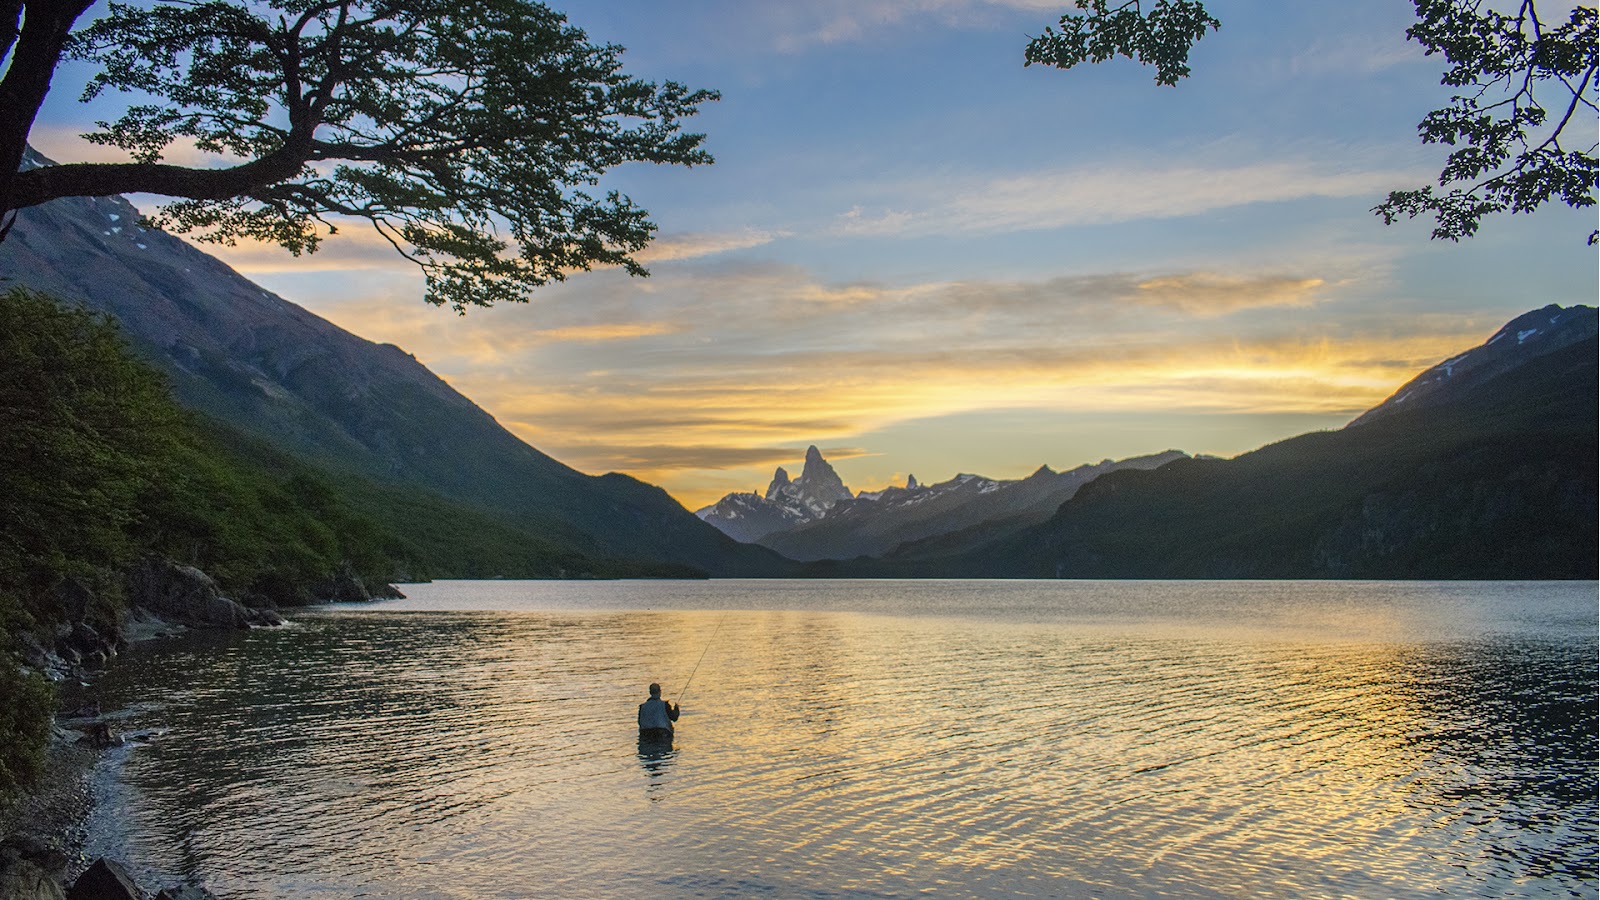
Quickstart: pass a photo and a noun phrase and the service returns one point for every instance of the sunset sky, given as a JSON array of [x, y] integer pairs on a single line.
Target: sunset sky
[[926, 259]]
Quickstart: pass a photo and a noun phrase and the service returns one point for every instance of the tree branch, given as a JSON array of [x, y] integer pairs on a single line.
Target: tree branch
[[1571, 108], [48, 183]]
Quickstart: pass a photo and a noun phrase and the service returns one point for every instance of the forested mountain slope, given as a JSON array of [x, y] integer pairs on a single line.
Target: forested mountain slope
[[255, 361]]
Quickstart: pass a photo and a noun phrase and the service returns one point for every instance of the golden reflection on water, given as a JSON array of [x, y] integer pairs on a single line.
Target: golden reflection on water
[[820, 753]]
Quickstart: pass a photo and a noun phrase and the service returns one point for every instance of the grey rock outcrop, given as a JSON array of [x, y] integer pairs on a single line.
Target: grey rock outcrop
[[780, 481], [188, 596], [816, 517], [819, 484], [84, 636], [343, 586], [964, 508], [347, 586], [811, 495], [29, 871], [749, 517]]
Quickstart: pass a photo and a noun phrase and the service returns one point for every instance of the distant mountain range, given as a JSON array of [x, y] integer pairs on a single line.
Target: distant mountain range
[[1483, 467], [251, 359], [816, 517]]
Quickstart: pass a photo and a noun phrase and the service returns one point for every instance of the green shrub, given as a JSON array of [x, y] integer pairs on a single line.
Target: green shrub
[[26, 702], [24, 726], [86, 433]]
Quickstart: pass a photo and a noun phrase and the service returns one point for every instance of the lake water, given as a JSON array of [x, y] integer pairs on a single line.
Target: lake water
[[874, 739]]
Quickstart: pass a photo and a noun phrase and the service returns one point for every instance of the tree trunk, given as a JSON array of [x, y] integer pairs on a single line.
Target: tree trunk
[[10, 21], [31, 63]]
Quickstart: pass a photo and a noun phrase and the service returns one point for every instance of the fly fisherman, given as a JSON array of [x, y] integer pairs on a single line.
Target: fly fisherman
[[656, 717]]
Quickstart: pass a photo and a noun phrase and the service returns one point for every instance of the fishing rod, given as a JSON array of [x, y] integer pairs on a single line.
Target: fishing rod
[[687, 681]]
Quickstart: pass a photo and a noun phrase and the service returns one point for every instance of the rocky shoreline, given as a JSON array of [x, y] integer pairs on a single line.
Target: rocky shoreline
[[42, 833]]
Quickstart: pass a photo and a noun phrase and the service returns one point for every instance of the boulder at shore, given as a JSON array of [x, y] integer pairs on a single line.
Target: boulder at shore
[[188, 596], [28, 871], [105, 880]]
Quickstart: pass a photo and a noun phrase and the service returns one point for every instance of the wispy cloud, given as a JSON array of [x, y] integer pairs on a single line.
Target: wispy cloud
[[65, 144], [796, 398], [605, 331], [803, 25], [1102, 194], [1210, 294], [356, 247], [690, 246], [1363, 53], [668, 458]]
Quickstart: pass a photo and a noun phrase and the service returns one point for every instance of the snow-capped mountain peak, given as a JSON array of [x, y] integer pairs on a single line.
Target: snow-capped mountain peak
[[787, 503], [1527, 337], [815, 516]]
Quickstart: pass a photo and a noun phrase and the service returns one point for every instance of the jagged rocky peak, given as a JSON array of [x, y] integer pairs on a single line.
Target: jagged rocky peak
[[812, 494], [787, 504], [820, 482], [780, 480]]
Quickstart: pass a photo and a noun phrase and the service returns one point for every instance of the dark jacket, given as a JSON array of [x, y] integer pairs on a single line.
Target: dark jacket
[[656, 713]]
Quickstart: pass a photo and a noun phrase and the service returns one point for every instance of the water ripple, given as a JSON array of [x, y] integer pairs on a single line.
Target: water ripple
[[1024, 752]]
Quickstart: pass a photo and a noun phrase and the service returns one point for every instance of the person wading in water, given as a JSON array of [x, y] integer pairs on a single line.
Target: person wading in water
[[656, 717]]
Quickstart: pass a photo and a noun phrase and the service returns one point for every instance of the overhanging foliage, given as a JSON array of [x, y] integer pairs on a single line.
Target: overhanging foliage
[[1515, 149], [472, 134]]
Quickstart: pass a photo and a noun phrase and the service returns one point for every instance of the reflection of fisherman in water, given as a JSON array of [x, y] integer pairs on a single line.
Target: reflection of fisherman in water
[[656, 717]]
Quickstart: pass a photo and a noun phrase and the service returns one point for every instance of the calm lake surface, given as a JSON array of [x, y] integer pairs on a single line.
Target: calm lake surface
[[874, 739]]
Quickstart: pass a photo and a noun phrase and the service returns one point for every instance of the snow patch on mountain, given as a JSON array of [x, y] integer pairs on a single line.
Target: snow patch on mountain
[[786, 504], [1537, 333], [816, 517]]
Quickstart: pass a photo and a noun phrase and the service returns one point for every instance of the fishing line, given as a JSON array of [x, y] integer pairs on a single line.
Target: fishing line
[[683, 693]]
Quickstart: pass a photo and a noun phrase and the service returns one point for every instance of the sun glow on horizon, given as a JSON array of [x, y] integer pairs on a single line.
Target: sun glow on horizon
[[704, 431]]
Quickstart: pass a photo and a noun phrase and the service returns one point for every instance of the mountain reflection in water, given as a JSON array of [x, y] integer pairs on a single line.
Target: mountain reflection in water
[[874, 739]]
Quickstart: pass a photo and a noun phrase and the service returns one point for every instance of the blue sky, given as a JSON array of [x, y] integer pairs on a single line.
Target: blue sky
[[928, 259]]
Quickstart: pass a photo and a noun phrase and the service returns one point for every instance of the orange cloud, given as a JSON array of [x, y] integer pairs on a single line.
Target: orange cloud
[[1206, 293], [690, 246], [607, 331], [1100, 193], [686, 421]]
